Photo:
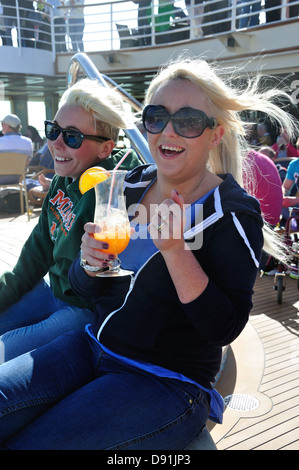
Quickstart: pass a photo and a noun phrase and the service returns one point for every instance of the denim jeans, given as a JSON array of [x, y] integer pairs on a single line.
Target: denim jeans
[[249, 8], [76, 26], [70, 394], [37, 319]]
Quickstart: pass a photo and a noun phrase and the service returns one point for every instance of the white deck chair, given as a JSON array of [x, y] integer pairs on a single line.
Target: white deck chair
[[15, 164]]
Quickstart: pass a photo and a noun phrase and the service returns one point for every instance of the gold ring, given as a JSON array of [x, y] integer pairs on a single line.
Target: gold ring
[[160, 226]]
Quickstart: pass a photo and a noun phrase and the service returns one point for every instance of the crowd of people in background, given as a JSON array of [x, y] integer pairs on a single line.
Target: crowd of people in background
[[275, 165], [69, 23]]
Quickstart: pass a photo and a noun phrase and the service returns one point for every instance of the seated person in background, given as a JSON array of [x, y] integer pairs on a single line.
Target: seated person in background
[[41, 159], [141, 376], [262, 180], [283, 147], [37, 194], [268, 151], [13, 141], [33, 134], [264, 137], [83, 134], [281, 166]]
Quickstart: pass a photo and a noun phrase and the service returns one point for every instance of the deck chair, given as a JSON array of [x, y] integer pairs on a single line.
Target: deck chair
[[15, 164], [125, 36]]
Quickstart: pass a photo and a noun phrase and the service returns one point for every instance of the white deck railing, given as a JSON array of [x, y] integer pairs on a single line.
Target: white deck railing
[[118, 24]]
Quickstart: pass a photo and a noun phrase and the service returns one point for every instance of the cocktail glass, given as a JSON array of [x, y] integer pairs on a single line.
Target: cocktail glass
[[112, 220]]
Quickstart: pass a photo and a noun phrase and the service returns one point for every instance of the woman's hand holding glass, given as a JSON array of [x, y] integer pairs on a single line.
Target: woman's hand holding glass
[[91, 249]]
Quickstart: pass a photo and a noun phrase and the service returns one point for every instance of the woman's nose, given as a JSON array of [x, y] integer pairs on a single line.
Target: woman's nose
[[169, 129], [59, 142]]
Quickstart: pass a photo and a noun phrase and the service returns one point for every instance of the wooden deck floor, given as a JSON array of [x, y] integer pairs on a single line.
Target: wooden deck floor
[[261, 365]]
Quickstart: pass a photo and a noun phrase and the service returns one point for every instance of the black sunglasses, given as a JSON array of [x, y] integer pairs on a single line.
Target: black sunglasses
[[187, 122], [71, 138]]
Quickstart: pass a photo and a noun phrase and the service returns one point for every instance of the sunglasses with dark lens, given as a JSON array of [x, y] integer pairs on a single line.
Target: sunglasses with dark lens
[[187, 122], [71, 138]]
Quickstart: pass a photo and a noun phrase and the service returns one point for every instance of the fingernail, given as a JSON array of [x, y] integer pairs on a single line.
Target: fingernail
[[105, 246], [111, 256]]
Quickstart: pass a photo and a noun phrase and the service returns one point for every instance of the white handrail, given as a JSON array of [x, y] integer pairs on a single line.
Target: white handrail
[[81, 60]]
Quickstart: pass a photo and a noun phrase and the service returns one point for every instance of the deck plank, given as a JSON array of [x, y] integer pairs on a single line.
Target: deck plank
[[14, 231]]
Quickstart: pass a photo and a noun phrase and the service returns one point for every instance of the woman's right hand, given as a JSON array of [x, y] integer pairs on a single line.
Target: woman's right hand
[[90, 248]]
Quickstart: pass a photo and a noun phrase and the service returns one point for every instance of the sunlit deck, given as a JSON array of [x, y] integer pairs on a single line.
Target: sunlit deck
[[261, 364]]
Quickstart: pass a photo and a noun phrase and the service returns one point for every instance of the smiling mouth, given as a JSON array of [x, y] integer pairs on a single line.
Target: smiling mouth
[[170, 150], [62, 159]]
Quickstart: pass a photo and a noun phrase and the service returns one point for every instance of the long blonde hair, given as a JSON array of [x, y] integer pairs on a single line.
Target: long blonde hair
[[226, 103]]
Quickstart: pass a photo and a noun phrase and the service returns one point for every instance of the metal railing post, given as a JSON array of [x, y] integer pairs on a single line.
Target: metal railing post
[[137, 140]]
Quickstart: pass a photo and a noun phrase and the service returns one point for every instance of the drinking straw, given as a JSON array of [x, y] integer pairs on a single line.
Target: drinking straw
[[113, 178]]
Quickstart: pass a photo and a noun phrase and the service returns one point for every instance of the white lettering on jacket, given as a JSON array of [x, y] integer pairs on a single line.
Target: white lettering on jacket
[[64, 208]]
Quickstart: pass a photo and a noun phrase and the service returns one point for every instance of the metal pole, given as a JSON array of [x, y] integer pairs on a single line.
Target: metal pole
[[137, 140]]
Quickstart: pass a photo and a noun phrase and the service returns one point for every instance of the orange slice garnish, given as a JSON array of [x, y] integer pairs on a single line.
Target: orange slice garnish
[[91, 177]]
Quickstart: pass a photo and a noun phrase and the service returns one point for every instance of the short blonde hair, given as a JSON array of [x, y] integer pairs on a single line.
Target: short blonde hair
[[103, 103]]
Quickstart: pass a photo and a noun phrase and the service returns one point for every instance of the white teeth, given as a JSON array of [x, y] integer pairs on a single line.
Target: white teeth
[[61, 159], [173, 149]]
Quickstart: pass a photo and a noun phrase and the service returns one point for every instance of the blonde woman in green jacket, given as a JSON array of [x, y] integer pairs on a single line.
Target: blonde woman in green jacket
[[34, 312]]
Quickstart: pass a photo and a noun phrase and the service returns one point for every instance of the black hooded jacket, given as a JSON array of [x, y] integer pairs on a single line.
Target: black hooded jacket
[[142, 317]]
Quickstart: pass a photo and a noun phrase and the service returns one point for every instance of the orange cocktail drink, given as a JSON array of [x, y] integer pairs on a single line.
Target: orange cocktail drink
[[111, 217], [116, 232], [112, 221]]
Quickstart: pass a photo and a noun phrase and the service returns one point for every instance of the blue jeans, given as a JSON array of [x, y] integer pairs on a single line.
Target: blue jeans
[[37, 319], [76, 33], [249, 8], [70, 394]]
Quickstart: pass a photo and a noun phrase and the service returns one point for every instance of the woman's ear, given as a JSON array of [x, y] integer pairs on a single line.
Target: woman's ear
[[216, 135], [105, 149]]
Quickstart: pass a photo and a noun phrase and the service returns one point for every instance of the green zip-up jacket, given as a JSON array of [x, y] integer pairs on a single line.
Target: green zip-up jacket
[[55, 241]]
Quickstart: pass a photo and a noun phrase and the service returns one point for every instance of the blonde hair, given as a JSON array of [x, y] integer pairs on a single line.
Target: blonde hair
[[103, 103], [226, 102]]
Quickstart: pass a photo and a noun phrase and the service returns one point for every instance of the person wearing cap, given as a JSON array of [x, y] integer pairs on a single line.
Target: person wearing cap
[[13, 141]]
